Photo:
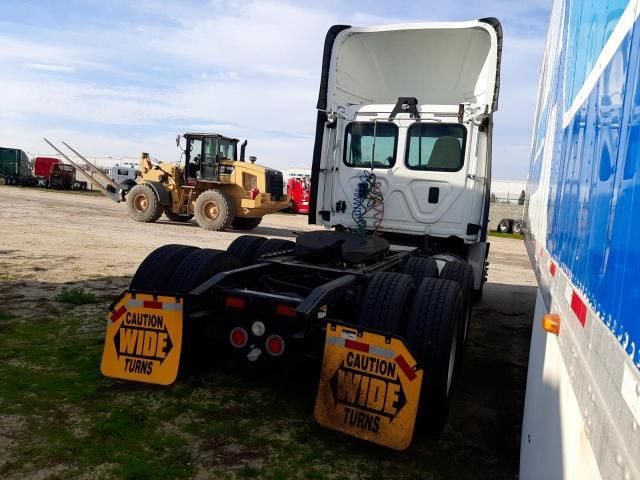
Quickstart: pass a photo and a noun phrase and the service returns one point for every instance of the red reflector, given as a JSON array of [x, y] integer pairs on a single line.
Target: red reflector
[[286, 310], [154, 305], [552, 269], [275, 345], [361, 347], [579, 308], [235, 302], [118, 313], [238, 337], [404, 366]]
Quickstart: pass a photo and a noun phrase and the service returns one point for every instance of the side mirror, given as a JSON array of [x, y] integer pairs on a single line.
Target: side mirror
[[179, 143]]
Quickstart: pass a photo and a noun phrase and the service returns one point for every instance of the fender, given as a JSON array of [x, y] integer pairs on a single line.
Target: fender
[[163, 195]]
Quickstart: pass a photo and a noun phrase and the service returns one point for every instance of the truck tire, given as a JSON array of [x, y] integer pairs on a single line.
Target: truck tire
[[195, 269], [462, 274], [157, 268], [387, 301], [143, 205], [214, 210], [175, 217], [420, 268], [517, 227], [244, 223], [432, 334], [504, 226], [245, 246], [198, 266], [272, 245]]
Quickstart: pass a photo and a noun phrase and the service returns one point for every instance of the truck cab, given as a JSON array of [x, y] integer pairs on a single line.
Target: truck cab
[[408, 156]]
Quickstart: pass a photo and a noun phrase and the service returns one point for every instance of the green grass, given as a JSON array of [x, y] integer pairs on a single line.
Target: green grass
[[76, 296], [228, 422], [515, 236]]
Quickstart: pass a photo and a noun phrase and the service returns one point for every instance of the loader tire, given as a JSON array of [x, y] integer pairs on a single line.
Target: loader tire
[[143, 205], [462, 274], [175, 217], [420, 268], [156, 269], [432, 333], [245, 246], [387, 301], [272, 245], [214, 210], [244, 223]]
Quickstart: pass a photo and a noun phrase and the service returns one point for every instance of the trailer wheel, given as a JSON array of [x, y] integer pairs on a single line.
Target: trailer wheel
[[272, 245], [214, 210], [245, 246], [504, 226], [198, 266], [175, 217], [432, 333], [387, 301], [157, 268], [420, 268], [244, 223], [462, 274], [143, 205], [517, 227]]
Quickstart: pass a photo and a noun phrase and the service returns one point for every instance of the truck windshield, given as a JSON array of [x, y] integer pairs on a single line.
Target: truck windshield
[[359, 146], [435, 147]]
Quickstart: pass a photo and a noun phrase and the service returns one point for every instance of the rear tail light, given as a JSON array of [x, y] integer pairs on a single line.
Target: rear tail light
[[254, 193], [235, 302], [275, 345], [239, 337], [286, 310]]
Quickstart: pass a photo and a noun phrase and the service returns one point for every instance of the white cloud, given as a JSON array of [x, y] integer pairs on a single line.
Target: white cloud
[[47, 67]]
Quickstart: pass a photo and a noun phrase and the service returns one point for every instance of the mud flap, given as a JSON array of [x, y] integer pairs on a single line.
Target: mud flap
[[369, 386], [144, 338]]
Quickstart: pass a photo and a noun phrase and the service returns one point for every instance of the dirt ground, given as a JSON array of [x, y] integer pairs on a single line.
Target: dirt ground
[[54, 240]]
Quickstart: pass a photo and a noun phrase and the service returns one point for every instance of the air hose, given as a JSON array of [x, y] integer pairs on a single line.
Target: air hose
[[368, 197]]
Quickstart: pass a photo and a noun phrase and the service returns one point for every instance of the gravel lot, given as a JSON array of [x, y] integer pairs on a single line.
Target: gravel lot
[[54, 240]]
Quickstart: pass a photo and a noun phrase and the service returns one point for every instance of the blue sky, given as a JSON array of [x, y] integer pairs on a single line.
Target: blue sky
[[120, 77]]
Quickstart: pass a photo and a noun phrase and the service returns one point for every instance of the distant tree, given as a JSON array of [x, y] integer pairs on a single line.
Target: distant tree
[[521, 199]]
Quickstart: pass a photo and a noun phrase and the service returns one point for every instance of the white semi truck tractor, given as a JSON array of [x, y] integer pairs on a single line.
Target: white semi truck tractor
[[400, 178]]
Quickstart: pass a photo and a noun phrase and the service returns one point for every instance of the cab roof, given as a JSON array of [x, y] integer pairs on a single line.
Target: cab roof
[[217, 135]]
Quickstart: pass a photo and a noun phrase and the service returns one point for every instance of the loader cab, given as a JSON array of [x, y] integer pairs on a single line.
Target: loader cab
[[203, 156]]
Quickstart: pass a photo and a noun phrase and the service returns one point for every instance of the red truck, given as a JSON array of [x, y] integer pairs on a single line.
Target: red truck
[[300, 189], [55, 174]]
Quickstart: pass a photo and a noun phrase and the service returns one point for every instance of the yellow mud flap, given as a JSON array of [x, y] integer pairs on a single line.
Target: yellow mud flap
[[144, 338], [369, 386]]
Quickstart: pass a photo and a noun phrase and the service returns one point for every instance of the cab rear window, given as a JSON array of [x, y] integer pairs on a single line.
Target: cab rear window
[[435, 147], [370, 145]]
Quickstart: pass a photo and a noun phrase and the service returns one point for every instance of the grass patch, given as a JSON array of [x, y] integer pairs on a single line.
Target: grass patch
[[515, 236], [6, 316], [76, 296]]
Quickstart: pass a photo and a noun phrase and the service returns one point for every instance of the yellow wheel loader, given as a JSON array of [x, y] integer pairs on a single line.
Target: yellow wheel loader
[[214, 186]]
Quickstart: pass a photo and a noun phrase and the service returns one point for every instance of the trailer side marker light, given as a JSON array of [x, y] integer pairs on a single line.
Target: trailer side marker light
[[551, 323], [404, 366], [552, 269], [235, 302], [152, 304], [275, 345], [579, 308], [239, 337], [286, 310]]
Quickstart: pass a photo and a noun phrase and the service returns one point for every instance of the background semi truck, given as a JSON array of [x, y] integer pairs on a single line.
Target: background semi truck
[[582, 408], [384, 295]]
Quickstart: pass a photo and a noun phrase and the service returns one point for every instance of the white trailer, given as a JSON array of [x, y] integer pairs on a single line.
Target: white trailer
[[582, 406]]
